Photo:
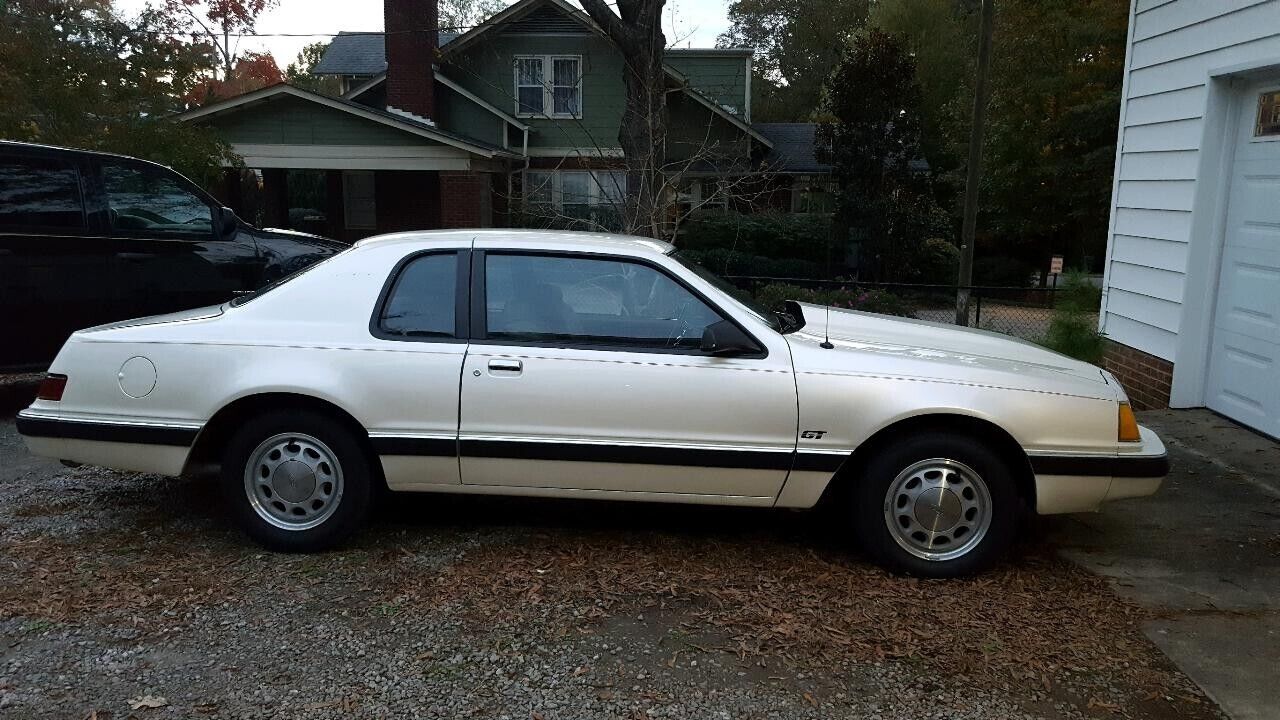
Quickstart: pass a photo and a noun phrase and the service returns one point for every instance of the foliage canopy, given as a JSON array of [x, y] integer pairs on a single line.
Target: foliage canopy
[[74, 73]]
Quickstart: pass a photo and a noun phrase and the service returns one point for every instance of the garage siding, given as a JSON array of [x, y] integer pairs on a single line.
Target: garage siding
[[1175, 43]]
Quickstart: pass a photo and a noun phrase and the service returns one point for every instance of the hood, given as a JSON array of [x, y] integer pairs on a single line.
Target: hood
[[316, 241], [203, 313], [977, 352]]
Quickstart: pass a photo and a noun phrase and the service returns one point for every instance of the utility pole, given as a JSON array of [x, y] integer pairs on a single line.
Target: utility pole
[[969, 228]]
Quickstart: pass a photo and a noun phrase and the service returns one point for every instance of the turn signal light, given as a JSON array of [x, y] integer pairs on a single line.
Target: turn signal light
[[1128, 425], [51, 387]]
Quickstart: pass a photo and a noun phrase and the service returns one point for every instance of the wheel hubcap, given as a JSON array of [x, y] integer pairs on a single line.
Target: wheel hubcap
[[293, 481], [938, 509]]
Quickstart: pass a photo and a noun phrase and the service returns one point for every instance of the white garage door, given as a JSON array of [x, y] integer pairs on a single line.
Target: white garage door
[[1244, 366]]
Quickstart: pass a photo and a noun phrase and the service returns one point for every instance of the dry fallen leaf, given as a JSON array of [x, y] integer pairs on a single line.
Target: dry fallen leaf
[[147, 702]]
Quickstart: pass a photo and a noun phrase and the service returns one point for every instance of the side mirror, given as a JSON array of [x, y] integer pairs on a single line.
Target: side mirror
[[726, 339], [225, 221]]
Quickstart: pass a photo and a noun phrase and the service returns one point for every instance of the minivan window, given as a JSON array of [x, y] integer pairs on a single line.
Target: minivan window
[[39, 193], [148, 202]]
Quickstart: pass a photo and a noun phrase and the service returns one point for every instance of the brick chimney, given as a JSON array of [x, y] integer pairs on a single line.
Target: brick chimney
[[411, 38]]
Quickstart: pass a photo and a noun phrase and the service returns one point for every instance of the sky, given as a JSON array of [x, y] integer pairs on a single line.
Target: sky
[[689, 23]]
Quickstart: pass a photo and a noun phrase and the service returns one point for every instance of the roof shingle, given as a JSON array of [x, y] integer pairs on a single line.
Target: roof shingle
[[793, 147], [360, 53]]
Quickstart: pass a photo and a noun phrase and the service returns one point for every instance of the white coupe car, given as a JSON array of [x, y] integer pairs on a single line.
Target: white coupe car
[[591, 366]]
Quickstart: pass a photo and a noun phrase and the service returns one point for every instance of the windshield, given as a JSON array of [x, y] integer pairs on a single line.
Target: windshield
[[781, 322]]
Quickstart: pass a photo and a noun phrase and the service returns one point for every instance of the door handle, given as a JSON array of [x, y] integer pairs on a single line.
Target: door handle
[[512, 366]]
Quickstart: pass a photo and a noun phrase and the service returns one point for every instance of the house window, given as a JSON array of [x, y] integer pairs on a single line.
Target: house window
[[358, 204], [703, 196], [812, 195], [548, 86], [594, 197], [1268, 124]]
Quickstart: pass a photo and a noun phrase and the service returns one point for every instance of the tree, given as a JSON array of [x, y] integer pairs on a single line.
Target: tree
[[797, 43], [1055, 95], [220, 23], [299, 72], [462, 15], [253, 70], [870, 133], [939, 35], [1055, 101], [636, 29], [73, 72]]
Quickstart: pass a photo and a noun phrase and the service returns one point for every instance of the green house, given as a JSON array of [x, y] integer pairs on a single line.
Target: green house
[[513, 123]]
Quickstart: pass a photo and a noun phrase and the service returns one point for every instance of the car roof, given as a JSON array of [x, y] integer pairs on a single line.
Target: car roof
[[59, 150], [529, 239]]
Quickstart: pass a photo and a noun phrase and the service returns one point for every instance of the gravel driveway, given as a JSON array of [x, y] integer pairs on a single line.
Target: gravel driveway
[[126, 595]]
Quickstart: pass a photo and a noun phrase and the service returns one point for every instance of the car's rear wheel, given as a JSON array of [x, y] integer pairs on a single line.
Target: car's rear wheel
[[296, 481], [936, 505]]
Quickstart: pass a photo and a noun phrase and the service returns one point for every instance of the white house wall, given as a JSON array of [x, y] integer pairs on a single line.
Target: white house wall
[[1175, 45]]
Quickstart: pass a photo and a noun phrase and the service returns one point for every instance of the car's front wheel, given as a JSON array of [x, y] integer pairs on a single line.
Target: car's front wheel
[[936, 505], [296, 481]]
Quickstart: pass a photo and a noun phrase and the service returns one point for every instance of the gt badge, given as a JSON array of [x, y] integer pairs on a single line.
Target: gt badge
[[812, 434]]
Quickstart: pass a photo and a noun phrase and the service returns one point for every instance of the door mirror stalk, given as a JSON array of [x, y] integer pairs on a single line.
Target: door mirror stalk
[[725, 339]]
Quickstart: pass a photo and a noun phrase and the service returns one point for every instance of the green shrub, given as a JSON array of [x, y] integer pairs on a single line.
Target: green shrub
[[724, 261], [767, 234], [850, 298], [939, 262], [1074, 328]]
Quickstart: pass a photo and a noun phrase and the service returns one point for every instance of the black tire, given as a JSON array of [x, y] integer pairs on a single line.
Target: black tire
[[871, 504], [350, 503]]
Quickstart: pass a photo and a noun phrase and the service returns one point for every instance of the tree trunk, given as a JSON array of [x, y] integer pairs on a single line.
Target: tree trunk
[[637, 32]]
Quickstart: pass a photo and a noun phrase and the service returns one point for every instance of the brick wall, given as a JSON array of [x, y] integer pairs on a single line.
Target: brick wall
[[1146, 378], [465, 200]]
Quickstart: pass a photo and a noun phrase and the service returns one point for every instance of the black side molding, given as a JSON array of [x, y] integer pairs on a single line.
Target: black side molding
[[1128, 467], [428, 447], [628, 454], [106, 432]]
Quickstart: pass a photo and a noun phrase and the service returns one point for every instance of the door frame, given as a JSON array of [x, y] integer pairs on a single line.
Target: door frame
[[1223, 114]]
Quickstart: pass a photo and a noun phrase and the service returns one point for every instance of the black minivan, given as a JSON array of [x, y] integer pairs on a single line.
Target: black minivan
[[88, 238]]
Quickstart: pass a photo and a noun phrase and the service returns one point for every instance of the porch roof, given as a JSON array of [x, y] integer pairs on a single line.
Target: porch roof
[[342, 135]]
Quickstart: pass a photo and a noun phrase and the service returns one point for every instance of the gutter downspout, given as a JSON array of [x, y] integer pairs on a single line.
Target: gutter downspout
[[524, 150]]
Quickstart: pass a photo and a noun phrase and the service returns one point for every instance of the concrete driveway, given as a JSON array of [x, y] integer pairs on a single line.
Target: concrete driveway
[[1204, 553]]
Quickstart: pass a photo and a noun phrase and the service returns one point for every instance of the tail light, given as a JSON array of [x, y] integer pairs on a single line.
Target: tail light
[[1128, 430], [51, 387]]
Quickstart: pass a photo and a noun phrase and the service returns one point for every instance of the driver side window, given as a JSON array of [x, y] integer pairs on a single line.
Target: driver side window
[[145, 202], [535, 298]]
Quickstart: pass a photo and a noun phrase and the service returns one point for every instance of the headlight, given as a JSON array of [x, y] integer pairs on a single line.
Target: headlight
[[1128, 425]]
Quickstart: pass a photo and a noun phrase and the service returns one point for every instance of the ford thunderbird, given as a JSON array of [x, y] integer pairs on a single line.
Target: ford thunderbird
[[591, 366]]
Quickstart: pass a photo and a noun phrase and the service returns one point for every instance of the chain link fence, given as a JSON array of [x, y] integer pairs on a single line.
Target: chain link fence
[[1021, 312]]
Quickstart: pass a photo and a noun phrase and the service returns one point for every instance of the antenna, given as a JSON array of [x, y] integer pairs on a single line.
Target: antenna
[[826, 333]]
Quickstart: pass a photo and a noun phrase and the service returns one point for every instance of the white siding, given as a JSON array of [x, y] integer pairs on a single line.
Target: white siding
[[1174, 46]]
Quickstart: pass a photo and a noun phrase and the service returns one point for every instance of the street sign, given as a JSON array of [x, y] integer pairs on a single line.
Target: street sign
[[1055, 265]]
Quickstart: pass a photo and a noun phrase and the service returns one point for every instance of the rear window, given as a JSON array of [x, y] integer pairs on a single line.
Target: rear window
[[37, 193]]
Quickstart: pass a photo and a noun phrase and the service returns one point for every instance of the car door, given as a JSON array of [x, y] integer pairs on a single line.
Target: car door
[[585, 372], [419, 328], [168, 254], [54, 272]]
